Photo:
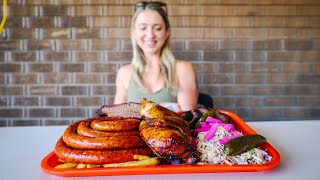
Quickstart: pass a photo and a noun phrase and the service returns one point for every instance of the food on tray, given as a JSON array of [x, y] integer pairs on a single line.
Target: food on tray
[[243, 143], [213, 144], [145, 162], [139, 160], [143, 134], [124, 110], [101, 147], [166, 133], [194, 117]]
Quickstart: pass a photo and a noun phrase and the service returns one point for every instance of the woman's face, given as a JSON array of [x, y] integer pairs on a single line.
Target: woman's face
[[150, 32]]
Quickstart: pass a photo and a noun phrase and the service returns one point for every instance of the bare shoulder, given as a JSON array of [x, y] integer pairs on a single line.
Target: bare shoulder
[[184, 66], [124, 75], [125, 71]]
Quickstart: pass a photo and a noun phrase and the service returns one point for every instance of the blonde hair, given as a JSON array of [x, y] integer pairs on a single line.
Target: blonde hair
[[167, 60]]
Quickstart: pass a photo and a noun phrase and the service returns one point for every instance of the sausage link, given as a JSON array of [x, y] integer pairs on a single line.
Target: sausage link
[[85, 130], [68, 154], [72, 139], [116, 125]]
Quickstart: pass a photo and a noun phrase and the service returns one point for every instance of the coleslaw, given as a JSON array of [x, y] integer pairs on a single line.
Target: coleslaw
[[210, 140]]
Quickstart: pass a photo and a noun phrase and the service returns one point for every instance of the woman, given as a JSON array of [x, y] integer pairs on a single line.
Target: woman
[[154, 73]]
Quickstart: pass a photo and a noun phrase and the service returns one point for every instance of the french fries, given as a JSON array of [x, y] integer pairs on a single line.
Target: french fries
[[66, 165], [146, 162], [141, 160]]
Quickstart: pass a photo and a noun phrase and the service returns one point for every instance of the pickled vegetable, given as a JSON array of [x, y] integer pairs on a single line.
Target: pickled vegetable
[[204, 117], [244, 143]]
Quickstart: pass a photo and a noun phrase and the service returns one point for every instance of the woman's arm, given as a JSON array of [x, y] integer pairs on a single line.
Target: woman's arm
[[187, 95], [122, 81]]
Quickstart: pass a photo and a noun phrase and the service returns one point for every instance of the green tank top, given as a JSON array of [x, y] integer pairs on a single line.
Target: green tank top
[[136, 95]]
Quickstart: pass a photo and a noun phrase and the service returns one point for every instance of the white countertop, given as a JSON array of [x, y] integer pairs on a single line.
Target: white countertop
[[23, 148]]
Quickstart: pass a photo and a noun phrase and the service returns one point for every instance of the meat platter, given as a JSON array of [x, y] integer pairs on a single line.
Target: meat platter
[[51, 160]]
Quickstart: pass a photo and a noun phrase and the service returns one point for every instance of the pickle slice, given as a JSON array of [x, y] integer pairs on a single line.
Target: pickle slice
[[244, 143], [204, 117]]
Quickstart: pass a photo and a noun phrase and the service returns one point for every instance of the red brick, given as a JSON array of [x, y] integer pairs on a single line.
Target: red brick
[[177, 45], [56, 56], [40, 68], [308, 10], [4, 101], [41, 112], [116, 56], [118, 10], [268, 21], [11, 112], [232, 67], [99, 21], [11, 90], [234, 90], [250, 55], [73, 112], [58, 101], [217, 56], [278, 101], [182, 32], [281, 56], [24, 123], [309, 101], [73, 22], [265, 68], [99, 67], [71, 44], [308, 33], [249, 78], [56, 78], [297, 68], [186, 55], [88, 78], [282, 78], [10, 45], [41, 22], [89, 101], [56, 33], [83, 33], [249, 33], [42, 90], [88, 56], [183, 10], [266, 90], [122, 33], [204, 21], [87, 10], [298, 44], [24, 56], [266, 45], [17, 10], [217, 33], [248, 101], [39, 45], [50, 10], [74, 90], [71, 67], [249, 10], [235, 21], [103, 44], [281, 10], [103, 90], [214, 78], [55, 122], [282, 33], [9, 68], [26, 101], [202, 44], [234, 44], [205, 67], [23, 79], [298, 90], [216, 10]]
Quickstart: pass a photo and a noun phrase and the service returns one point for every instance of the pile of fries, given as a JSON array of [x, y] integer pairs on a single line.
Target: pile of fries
[[140, 160]]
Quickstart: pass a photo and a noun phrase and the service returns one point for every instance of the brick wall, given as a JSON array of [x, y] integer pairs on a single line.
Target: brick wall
[[259, 59]]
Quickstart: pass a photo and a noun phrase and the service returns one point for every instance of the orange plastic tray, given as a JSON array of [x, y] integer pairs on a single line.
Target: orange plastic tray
[[51, 160]]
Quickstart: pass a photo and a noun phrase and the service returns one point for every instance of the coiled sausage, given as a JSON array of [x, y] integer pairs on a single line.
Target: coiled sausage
[[72, 139], [68, 154]]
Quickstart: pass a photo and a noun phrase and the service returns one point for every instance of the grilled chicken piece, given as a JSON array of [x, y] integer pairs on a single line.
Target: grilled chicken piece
[[166, 133]]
